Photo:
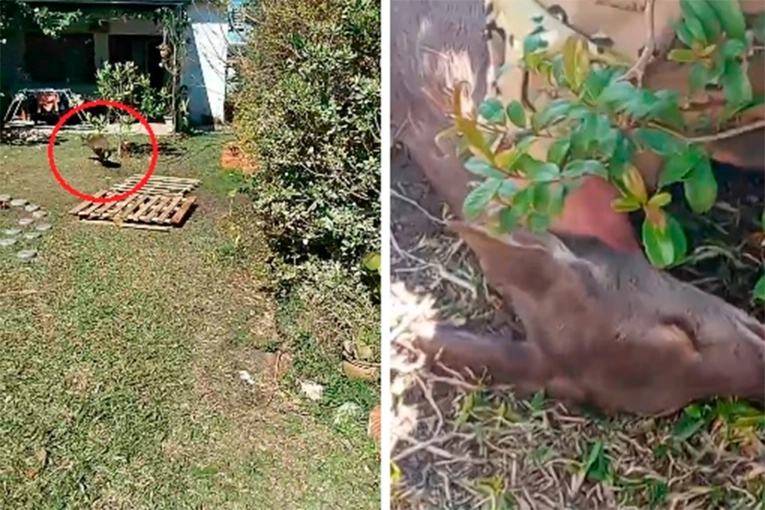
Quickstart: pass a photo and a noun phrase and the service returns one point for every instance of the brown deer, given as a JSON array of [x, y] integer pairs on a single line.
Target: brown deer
[[602, 325], [99, 144]]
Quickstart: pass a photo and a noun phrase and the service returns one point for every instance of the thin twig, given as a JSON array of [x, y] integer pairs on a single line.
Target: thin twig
[[418, 206], [20, 293], [637, 70], [423, 446], [760, 124]]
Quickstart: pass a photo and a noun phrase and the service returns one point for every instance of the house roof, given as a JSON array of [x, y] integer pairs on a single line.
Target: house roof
[[113, 2]]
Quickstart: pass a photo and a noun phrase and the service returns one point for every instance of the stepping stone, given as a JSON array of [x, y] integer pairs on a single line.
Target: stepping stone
[[32, 235], [26, 255], [12, 232], [43, 227], [9, 241], [18, 202], [38, 215], [31, 208], [25, 222], [5, 198]]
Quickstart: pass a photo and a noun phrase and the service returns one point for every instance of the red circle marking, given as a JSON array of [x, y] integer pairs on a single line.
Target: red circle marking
[[113, 104]]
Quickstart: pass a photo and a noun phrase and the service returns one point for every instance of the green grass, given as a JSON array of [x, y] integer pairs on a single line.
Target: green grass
[[121, 349]]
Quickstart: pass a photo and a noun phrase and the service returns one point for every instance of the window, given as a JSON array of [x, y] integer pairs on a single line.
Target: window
[[68, 59]]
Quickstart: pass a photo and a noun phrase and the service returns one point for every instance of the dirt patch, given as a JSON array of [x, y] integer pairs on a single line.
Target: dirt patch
[[456, 445]]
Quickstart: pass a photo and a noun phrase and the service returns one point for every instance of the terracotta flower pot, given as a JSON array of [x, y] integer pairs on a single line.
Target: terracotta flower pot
[[233, 157]]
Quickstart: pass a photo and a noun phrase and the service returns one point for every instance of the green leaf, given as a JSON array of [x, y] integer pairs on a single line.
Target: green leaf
[[667, 109], [373, 261], [492, 110], [537, 222], [731, 18], [641, 105], [701, 187], [698, 76], [523, 200], [759, 288], [735, 82], [682, 32], [658, 141], [624, 152], [548, 198], [539, 171], [585, 167], [558, 151], [664, 248], [576, 62], [683, 55], [658, 246], [617, 92], [696, 29], [507, 189], [677, 234], [555, 111], [730, 110], [479, 166], [679, 164], [509, 219], [733, 48], [597, 80], [516, 114], [701, 10], [479, 197], [625, 204], [659, 200], [687, 427], [595, 467]]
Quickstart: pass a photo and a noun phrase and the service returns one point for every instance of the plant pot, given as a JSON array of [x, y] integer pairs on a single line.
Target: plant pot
[[233, 158]]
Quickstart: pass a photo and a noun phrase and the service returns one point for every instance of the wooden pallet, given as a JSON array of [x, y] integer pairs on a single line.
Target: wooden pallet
[[158, 185], [142, 210]]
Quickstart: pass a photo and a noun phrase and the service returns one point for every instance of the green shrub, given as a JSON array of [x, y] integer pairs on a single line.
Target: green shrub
[[308, 111]]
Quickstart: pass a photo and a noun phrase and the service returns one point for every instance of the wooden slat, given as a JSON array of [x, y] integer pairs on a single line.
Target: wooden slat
[[178, 217], [119, 206], [164, 217], [98, 211], [145, 207], [141, 226], [139, 199], [156, 209], [82, 205], [166, 178], [89, 210]]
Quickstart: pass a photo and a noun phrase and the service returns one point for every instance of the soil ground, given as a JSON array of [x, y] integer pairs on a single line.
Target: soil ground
[[122, 352], [459, 446]]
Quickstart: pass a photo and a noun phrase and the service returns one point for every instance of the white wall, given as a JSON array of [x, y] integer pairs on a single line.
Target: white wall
[[204, 71]]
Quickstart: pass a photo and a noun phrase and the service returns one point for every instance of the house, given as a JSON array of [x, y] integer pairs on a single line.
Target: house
[[114, 31]]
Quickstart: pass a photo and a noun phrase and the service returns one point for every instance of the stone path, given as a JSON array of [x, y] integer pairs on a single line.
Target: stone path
[[22, 227]]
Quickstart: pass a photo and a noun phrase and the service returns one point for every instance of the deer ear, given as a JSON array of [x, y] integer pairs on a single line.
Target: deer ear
[[529, 262]]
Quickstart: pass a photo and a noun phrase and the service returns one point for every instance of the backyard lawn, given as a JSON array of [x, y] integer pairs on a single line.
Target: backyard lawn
[[138, 368]]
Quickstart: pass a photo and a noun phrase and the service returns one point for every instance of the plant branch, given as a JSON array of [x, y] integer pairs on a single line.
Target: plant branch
[[740, 130], [637, 70]]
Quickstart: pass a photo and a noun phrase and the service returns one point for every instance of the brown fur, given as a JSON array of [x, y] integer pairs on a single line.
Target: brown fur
[[99, 145]]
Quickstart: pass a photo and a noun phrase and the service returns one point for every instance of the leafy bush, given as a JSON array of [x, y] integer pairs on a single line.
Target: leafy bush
[[310, 117], [602, 121], [124, 83]]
